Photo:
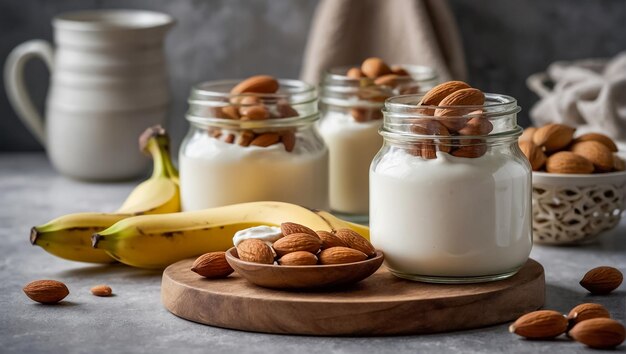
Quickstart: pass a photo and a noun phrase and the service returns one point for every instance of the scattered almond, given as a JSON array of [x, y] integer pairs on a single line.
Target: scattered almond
[[297, 242], [528, 134], [298, 258], [102, 290], [602, 280], [356, 241], [46, 291], [599, 154], [288, 228], [568, 162], [540, 324], [341, 255], [587, 311], [255, 250], [533, 153], [553, 137], [212, 265], [601, 333], [329, 240]]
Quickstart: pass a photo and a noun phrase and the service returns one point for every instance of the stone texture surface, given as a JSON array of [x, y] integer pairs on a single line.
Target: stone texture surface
[[135, 321], [505, 41]]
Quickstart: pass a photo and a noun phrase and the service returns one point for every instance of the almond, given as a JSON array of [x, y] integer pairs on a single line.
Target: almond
[[476, 126], [265, 139], [533, 153], [256, 84], [541, 324], [356, 241], [463, 97], [212, 265], [102, 290], [472, 148], [553, 137], [250, 101], [297, 242], [602, 280], [255, 250], [329, 240], [587, 311], [298, 258], [355, 73], [288, 228], [568, 162], [341, 255], [366, 114], [288, 139], [258, 112], [230, 112], [390, 80], [230, 138], [398, 70], [528, 134], [245, 138], [374, 67], [441, 91], [599, 154], [285, 110], [601, 333], [601, 138], [46, 291], [429, 127]]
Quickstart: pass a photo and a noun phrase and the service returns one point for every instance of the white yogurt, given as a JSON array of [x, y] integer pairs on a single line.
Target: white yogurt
[[215, 173], [449, 216], [267, 234], [352, 146]]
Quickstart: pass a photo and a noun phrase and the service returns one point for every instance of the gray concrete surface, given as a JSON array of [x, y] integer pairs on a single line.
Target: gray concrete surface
[[134, 321]]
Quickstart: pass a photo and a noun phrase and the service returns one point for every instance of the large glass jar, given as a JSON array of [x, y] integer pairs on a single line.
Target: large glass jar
[[225, 161], [451, 208], [351, 116]]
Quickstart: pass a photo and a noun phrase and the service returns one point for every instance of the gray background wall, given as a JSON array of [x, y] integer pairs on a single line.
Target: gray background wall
[[504, 40]]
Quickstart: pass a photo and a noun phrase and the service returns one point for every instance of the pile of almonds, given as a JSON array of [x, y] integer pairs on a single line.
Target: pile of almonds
[[379, 81], [248, 103], [454, 120], [554, 149], [587, 323], [298, 246]]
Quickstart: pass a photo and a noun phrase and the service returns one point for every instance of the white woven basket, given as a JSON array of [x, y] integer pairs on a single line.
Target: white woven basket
[[574, 209]]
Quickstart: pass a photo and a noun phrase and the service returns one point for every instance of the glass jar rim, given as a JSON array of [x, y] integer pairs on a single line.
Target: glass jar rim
[[218, 91], [418, 73], [236, 124], [495, 105]]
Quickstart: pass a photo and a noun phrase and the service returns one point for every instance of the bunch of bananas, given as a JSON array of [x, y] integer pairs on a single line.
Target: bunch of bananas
[[148, 231]]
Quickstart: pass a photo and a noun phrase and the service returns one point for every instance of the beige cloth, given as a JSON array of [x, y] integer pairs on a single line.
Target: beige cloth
[[589, 94], [418, 32]]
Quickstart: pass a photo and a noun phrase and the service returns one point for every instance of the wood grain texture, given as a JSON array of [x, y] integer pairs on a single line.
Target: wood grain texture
[[379, 305]]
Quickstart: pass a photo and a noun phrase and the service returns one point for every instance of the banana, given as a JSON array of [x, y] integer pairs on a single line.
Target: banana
[[155, 241], [69, 236]]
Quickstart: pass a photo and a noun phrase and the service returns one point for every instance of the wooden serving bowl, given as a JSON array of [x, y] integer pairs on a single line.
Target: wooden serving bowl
[[303, 277]]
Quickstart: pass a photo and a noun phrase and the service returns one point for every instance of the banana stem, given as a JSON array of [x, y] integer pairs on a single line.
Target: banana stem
[[158, 146]]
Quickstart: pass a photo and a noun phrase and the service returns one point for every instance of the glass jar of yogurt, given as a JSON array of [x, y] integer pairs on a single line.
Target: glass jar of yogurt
[[453, 208], [226, 160], [351, 117]]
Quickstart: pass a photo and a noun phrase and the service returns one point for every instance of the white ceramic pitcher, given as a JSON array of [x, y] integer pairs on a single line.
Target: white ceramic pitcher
[[108, 83]]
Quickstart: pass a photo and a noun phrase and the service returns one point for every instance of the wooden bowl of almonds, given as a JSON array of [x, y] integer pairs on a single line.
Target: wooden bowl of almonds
[[579, 184], [303, 259]]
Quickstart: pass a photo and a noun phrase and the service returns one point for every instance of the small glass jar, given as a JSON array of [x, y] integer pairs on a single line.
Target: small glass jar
[[450, 198], [225, 159], [351, 116]]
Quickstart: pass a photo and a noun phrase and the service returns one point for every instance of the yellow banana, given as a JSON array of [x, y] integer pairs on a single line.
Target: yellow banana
[[155, 241], [69, 236]]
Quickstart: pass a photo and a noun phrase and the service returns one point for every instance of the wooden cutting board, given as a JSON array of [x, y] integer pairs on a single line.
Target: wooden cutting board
[[379, 305]]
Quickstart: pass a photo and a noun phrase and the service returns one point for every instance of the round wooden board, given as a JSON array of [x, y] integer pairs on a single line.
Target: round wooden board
[[379, 305]]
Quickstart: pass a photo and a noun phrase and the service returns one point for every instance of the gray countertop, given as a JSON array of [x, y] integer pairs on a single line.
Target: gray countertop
[[135, 321]]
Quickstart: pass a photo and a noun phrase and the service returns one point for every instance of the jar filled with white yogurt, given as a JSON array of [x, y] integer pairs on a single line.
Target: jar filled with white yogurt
[[448, 204], [234, 154], [351, 117]]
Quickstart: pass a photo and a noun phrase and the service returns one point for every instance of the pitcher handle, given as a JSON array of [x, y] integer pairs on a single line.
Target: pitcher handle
[[16, 88]]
